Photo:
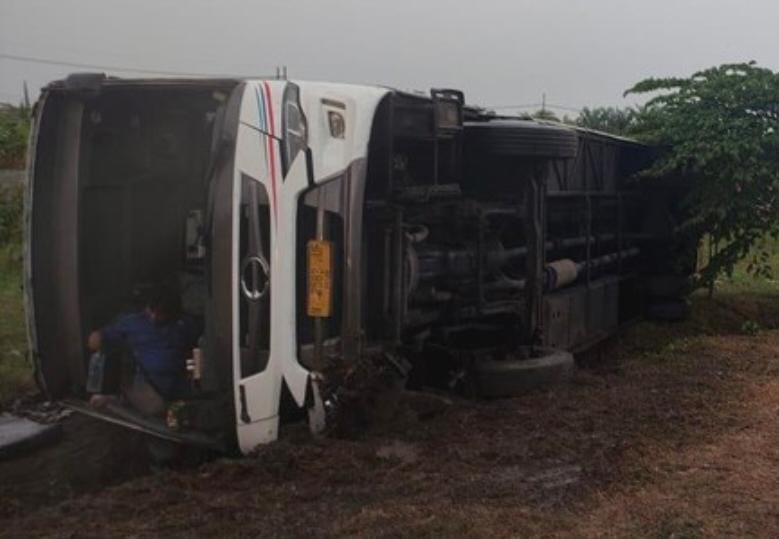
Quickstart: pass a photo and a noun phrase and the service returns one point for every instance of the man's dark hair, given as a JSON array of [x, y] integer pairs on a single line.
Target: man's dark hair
[[165, 300]]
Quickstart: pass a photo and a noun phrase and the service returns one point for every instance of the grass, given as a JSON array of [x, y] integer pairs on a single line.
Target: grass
[[743, 281], [754, 298], [14, 130], [15, 372]]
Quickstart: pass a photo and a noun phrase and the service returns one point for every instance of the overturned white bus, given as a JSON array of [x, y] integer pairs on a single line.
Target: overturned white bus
[[308, 226]]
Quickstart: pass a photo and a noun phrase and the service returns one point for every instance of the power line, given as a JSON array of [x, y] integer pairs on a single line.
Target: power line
[[51, 61]]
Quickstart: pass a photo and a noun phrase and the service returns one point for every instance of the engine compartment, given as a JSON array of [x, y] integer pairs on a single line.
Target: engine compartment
[[494, 234]]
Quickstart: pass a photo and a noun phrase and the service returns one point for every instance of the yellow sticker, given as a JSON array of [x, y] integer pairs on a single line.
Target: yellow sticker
[[320, 278]]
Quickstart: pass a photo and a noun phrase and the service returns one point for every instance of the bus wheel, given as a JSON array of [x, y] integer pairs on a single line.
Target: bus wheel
[[522, 138], [513, 376]]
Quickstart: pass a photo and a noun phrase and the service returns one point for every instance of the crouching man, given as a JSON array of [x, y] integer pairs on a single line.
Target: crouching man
[[158, 339]]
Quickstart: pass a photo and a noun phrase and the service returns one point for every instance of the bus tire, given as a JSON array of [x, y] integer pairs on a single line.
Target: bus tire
[[512, 377], [522, 138]]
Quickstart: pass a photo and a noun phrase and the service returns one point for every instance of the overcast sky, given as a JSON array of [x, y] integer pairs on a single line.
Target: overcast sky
[[500, 52]]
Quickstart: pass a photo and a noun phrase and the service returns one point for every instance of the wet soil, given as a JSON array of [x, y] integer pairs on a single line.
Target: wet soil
[[669, 432], [89, 456]]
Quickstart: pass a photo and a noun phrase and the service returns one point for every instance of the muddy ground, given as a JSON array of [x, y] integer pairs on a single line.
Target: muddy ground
[[88, 456], [668, 431]]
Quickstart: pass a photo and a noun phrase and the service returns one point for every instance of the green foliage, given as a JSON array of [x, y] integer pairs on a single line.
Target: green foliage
[[745, 275], [14, 131], [11, 227], [15, 372], [545, 114], [719, 131], [11, 215], [608, 119], [750, 327]]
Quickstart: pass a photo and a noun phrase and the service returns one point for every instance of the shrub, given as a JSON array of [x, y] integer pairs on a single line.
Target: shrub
[[719, 129], [11, 215], [14, 131]]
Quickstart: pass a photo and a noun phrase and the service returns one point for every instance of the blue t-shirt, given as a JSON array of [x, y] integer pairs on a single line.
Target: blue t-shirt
[[159, 349]]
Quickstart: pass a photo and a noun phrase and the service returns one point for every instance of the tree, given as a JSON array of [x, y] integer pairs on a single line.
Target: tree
[[718, 130], [608, 119]]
